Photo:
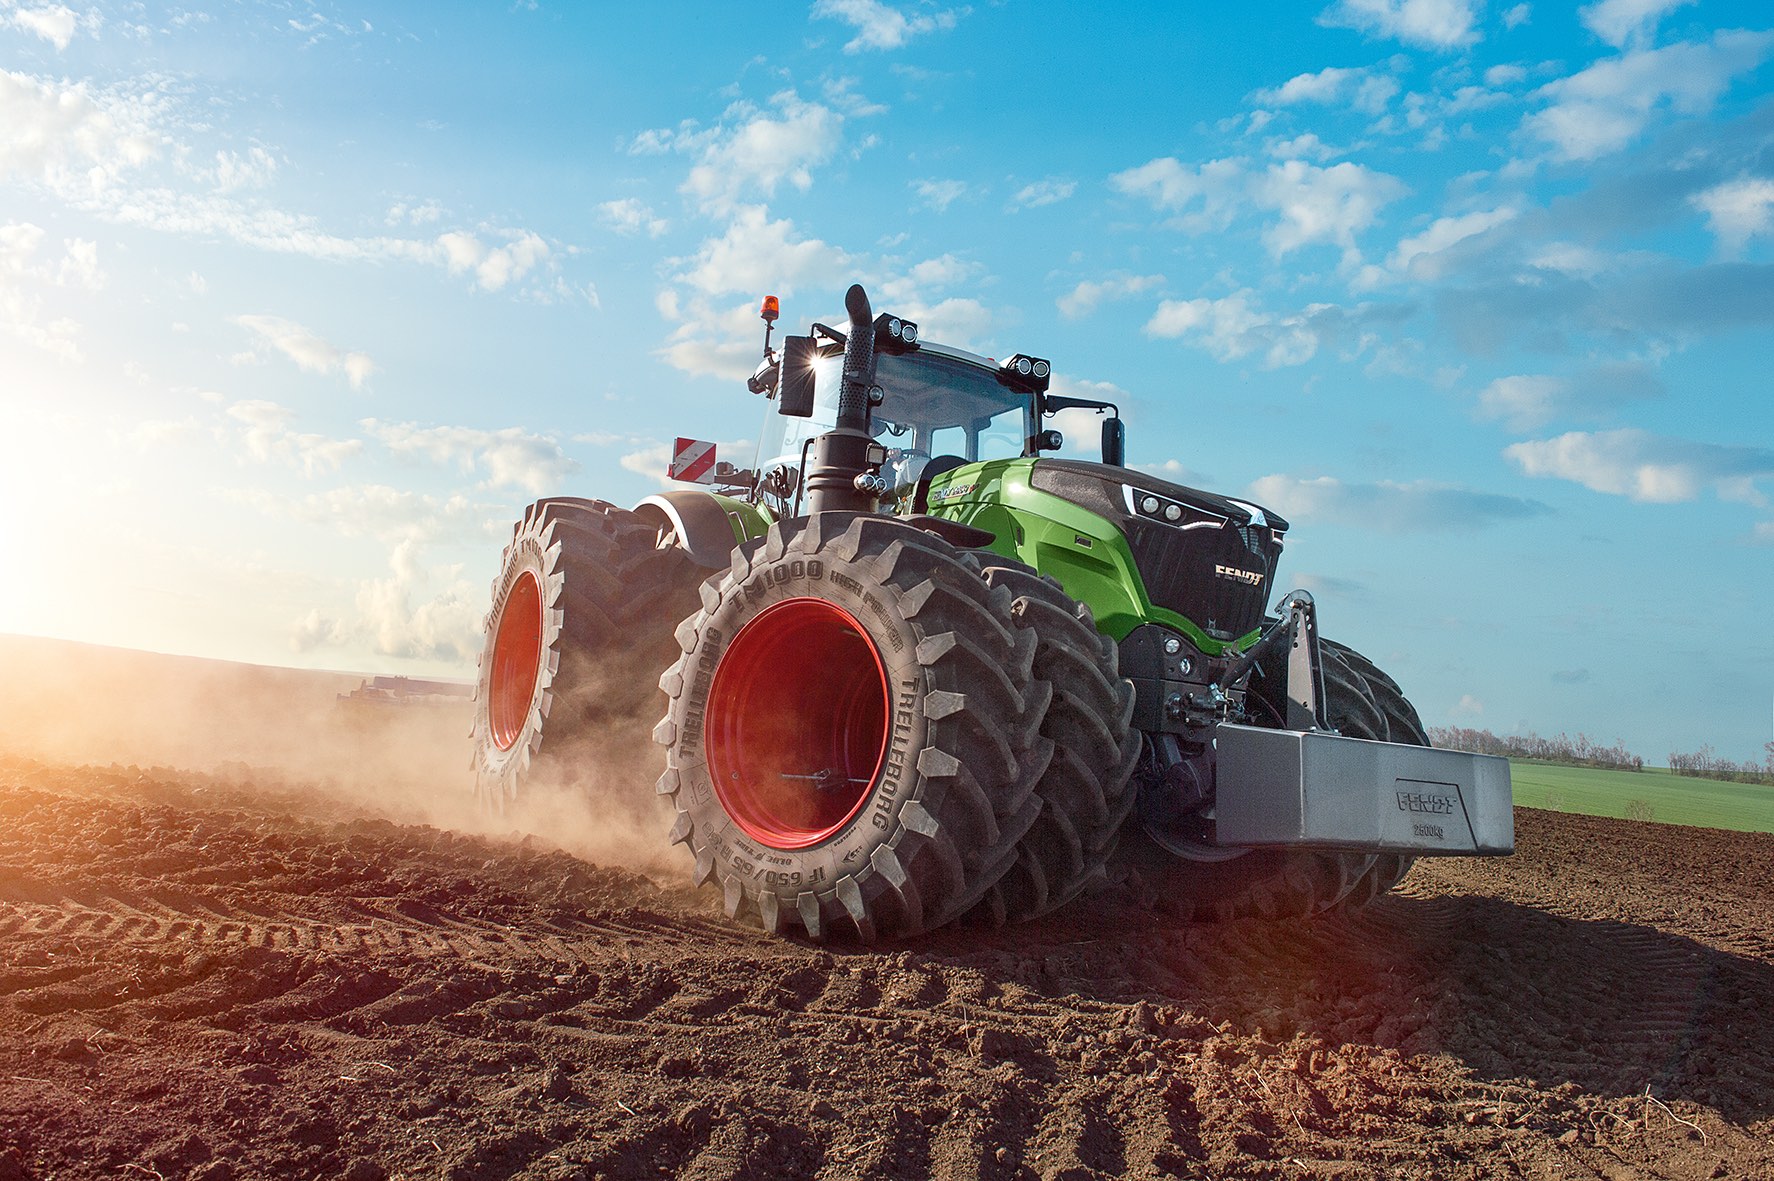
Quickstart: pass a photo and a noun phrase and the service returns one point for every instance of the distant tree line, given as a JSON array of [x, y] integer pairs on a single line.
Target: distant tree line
[[1704, 764], [1561, 748], [1581, 752]]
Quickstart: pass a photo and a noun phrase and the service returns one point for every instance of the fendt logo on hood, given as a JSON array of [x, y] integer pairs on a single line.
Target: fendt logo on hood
[[1248, 577]]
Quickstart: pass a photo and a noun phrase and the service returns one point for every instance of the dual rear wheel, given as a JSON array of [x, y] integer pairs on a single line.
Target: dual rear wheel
[[864, 734]]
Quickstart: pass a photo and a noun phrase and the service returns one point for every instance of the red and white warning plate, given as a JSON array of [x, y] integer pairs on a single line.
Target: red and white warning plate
[[692, 459]]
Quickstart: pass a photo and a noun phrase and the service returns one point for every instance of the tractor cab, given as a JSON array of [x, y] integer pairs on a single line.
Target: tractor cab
[[938, 405]]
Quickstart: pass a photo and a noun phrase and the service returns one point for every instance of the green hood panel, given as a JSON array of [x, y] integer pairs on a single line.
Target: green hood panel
[[1083, 551]]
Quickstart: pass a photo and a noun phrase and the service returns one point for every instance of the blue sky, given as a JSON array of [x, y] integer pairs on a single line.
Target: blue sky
[[300, 304]]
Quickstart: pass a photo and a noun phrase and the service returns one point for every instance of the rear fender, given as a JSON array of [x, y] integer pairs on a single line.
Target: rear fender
[[706, 525]]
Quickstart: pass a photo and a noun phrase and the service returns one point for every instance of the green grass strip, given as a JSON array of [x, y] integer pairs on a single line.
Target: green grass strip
[[1651, 794]]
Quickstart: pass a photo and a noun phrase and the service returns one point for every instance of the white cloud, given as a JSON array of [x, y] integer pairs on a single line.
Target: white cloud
[[1425, 255], [1627, 22], [1646, 467], [55, 23], [1601, 109], [1363, 89], [93, 149], [22, 312], [765, 151], [880, 26], [254, 170], [421, 214], [1517, 16], [630, 216], [388, 514], [1175, 471], [1426, 24], [756, 255], [493, 266], [1231, 328], [78, 266], [1524, 400], [509, 458], [444, 626], [961, 321], [1083, 299], [939, 194], [1043, 192], [22, 316], [715, 338], [1467, 707], [1417, 507], [945, 270], [1737, 210], [18, 243], [1306, 146], [309, 350], [1318, 204], [1329, 205], [266, 432], [399, 615], [72, 138], [713, 341], [1216, 187]]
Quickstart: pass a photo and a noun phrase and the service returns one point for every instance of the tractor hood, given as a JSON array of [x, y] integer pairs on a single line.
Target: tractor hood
[[1207, 557], [1118, 490]]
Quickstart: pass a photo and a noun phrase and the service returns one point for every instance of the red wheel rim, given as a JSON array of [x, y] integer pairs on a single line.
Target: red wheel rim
[[517, 660], [797, 723]]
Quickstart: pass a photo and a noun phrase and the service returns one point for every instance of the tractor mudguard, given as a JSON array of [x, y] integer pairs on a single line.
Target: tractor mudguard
[[706, 525]]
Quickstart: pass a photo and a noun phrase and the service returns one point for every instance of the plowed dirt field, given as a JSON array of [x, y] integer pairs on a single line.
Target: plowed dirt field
[[248, 973]]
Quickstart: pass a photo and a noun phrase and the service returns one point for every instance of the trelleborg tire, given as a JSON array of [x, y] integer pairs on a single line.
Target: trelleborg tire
[[580, 626], [1401, 725], [852, 730], [1086, 794], [1283, 883]]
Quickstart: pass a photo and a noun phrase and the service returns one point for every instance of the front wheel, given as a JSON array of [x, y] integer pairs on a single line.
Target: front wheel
[[852, 735]]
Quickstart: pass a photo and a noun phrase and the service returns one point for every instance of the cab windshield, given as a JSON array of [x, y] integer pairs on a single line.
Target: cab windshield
[[938, 401]]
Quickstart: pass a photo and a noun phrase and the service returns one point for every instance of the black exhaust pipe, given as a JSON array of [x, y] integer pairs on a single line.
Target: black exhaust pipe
[[840, 474]]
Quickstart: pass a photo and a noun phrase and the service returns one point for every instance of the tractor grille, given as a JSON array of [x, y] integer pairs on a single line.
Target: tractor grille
[[1219, 578]]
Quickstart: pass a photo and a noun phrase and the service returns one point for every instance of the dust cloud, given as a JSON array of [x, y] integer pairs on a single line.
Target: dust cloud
[[304, 739]]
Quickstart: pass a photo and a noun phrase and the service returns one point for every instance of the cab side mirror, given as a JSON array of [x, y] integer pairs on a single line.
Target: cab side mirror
[[795, 387], [1114, 442]]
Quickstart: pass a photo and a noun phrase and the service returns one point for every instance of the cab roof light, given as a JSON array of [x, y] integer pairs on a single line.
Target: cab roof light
[[894, 335], [771, 310], [1026, 373]]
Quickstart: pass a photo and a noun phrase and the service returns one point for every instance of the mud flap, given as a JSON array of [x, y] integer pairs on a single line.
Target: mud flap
[[1313, 789]]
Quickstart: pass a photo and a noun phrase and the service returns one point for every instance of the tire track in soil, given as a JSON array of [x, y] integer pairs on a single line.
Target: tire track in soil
[[383, 929]]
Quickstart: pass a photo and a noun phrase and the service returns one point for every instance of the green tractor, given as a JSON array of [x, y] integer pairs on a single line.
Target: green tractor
[[915, 671]]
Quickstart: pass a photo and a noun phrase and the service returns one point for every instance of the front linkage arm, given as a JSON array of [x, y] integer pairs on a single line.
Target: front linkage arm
[[1297, 626]]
